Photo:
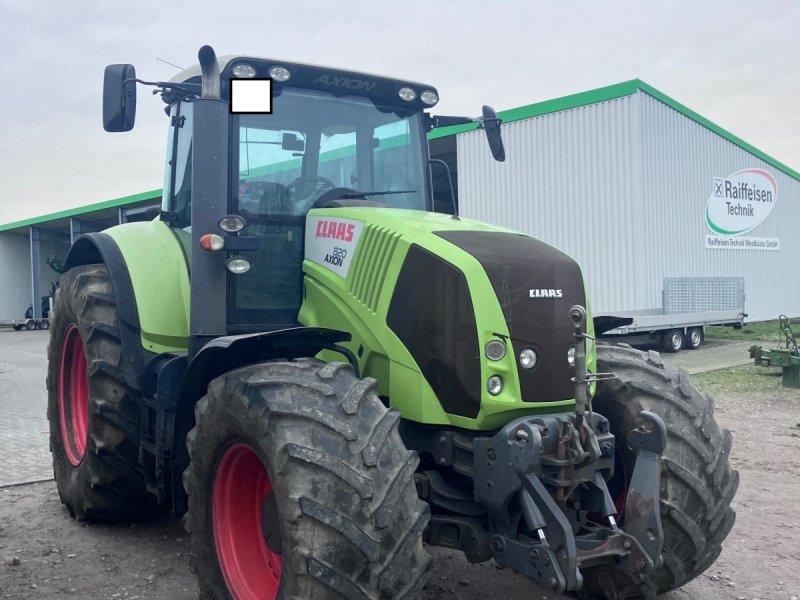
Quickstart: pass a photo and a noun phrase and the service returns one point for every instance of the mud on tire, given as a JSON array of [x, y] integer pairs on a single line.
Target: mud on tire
[[350, 520], [697, 482], [95, 465]]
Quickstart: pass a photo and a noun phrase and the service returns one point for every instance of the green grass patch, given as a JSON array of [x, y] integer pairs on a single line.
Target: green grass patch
[[747, 379], [759, 331]]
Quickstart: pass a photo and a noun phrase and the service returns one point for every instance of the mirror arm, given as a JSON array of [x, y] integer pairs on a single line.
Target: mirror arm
[[192, 88]]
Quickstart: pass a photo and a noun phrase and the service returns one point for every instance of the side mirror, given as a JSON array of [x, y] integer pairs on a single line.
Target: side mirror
[[491, 124], [119, 98]]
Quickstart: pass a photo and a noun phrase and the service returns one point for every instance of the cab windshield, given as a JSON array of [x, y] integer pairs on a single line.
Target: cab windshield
[[314, 149]]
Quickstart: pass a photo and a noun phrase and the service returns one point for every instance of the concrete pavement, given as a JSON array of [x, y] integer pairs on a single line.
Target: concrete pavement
[[24, 431]]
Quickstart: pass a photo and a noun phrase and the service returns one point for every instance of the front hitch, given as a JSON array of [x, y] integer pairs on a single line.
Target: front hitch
[[642, 504], [542, 480]]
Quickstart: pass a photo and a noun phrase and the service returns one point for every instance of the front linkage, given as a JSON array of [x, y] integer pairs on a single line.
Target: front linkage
[[541, 482]]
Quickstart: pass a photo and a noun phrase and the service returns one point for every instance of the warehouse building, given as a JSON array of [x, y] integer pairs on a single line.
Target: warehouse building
[[638, 188], [635, 186]]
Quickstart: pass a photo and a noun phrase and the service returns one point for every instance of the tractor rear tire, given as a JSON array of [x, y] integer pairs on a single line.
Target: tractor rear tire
[[94, 415], [301, 488], [697, 482]]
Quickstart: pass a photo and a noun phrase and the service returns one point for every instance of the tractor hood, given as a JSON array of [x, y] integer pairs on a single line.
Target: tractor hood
[[433, 291]]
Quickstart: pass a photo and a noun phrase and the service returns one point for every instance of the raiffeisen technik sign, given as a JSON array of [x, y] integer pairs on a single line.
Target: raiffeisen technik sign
[[739, 203]]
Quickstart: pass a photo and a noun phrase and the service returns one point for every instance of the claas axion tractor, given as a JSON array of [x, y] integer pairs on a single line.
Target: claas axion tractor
[[320, 373]]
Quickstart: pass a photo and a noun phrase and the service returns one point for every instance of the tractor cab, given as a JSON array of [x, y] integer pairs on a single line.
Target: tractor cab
[[329, 138]]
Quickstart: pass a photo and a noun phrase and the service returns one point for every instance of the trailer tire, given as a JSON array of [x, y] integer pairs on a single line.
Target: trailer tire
[[17, 327], [30, 325], [694, 338], [697, 482], [94, 415], [672, 340], [300, 486]]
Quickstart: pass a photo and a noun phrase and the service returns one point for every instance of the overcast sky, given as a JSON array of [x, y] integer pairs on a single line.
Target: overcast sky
[[736, 63]]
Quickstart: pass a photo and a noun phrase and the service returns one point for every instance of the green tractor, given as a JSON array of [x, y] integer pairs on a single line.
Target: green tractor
[[319, 373]]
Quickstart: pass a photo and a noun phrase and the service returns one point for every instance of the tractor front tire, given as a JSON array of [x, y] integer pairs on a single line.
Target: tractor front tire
[[697, 482], [94, 415], [301, 488]]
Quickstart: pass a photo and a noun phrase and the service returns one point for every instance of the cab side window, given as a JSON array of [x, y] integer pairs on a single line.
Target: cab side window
[[177, 195]]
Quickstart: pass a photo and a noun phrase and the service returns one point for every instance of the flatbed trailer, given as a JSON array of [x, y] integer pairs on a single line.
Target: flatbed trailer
[[689, 305], [27, 324]]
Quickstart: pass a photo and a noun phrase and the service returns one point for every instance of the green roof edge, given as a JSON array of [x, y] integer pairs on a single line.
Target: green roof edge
[[72, 212], [611, 92]]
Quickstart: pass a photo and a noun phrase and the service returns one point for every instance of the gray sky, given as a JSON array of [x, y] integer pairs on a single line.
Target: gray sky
[[736, 63]]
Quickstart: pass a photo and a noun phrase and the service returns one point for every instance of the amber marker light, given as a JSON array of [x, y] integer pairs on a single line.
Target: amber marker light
[[211, 242]]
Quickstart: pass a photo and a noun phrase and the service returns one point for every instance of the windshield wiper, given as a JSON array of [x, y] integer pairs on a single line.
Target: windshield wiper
[[383, 193]]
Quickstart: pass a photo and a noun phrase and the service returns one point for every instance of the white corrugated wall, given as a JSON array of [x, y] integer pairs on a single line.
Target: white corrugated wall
[[680, 159], [622, 187], [567, 181]]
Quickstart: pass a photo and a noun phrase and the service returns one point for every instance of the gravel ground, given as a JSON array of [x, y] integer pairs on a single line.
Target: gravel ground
[[45, 554]]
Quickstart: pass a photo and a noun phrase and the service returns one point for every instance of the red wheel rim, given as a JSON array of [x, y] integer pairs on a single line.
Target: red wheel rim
[[73, 396], [251, 569]]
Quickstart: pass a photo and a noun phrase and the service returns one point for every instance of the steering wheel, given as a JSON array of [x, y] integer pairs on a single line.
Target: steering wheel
[[322, 184]]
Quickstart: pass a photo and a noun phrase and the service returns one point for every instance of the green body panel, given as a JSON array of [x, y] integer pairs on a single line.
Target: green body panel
[[360, 303], [160, 279]]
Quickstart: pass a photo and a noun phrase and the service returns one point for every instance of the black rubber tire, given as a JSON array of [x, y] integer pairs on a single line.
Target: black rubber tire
[[107, 484], [45, 324], [351, 522], [30, 325], [17, 327], [672, 340], [697, 482], [694, 338]]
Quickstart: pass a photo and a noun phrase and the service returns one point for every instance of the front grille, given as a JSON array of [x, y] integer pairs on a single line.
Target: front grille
[[523, 271]]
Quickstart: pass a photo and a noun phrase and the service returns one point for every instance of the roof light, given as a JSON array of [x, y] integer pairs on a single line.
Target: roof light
[[238, 265], [429, 97], [244, 70], [232, 223], [280, 74], [212, 242], [407, 94]]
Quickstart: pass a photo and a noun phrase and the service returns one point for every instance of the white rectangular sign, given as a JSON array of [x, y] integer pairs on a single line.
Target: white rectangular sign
[[331, 242], [719, 242]]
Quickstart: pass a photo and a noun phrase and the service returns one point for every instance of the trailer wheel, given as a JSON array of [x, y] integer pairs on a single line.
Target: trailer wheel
[[94, 415], [672, 340], [300, 487], [17, 327], [697, 482], [694, 338], [30, 325]]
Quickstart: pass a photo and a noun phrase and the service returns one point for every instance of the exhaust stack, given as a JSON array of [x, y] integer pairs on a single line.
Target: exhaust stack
[[209, 68]]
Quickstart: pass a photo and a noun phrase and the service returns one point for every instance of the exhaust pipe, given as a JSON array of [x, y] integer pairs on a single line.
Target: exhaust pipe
[[209, 67]]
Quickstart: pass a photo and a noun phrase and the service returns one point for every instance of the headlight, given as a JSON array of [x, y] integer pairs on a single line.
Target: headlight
[[528, 359], [495, 385], [495, 350], [238, 265]]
